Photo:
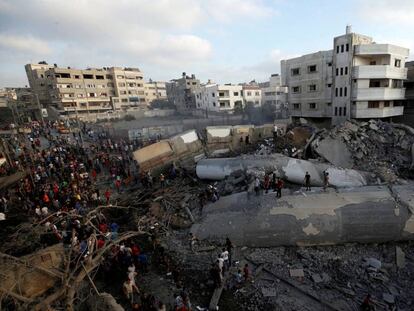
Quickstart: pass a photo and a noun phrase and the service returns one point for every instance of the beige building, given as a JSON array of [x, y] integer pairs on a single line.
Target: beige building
[[73, 91], [155, 90], [252, 95]]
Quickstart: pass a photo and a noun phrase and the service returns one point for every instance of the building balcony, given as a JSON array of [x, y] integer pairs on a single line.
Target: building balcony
[[379, 72], [380, 49], [378, 93], [368, 113]]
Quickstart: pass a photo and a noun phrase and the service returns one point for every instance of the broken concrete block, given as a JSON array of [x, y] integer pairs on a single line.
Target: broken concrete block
[[296, 273], [268, 291], [335, 151], [317, 278], [399, 257], [388, 298], [374, 263]]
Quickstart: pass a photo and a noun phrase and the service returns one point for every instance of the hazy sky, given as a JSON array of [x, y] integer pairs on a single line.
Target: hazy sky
[[225, 40]]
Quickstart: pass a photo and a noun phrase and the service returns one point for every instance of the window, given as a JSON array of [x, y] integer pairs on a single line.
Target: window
[[295, 71], [329, 104], [124, 100], [92, 94], [109, 76], [337, 71], [222, 104], [340, 92], [374, 83], [116, 100], [337, 49], [342, 71], [122, 92], [213, 94], [346, 70], [121, 84], [221, 94], [311, 68], [342, 48], [336, 92], [373, 104], [194, 83], [312, 87], [344, 111], [397, 63], [373, 63], [99, 77], [214, 104], [312, 105], [249, 93], [88, 76], [336, 111], [80, 95], [340, 111], [296, 106], [329, 84], [236, 93], [386, 103], [345, 91], [329, 64], [120, 77], [296, 89], [347, 47], [257, 93]]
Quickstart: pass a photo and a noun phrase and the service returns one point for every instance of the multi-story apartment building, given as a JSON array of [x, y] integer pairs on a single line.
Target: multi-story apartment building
[[357, 79], [273, 93], [252, 95], [38, 81], [74, 91], [181, 92], [155, 90], [408, 117], [219, 97]]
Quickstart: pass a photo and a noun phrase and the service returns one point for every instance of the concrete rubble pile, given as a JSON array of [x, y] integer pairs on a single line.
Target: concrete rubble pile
[[375, 146], [339, 276]]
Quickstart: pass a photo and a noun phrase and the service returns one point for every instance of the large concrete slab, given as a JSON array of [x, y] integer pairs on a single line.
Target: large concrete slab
[[366, 214], [335, 152]]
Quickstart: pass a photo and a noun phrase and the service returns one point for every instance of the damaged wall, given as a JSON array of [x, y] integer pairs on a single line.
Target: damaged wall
[[367, 214], [187, 148], [290, 169]]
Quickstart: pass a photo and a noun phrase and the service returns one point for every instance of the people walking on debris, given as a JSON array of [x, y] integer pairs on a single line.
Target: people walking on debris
[[162, 180], [229, 248], [367, 304], [266, 183], [107, 196], [257, 186], [307, 181], [246, 273], [325, 180], [225, 256], [279, 186]]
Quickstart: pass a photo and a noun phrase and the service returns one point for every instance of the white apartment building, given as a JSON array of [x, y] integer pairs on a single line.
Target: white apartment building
[[357, 79], [252, 95], [72, 91], [219, 97], [155, 90]]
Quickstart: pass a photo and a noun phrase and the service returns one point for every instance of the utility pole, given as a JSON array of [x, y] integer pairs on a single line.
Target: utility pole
[[77, 120]]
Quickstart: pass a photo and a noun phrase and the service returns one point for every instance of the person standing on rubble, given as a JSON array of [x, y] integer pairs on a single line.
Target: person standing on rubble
[[229, 247], [279, 186], [307, 181], [257, 186], [162, 180], [266, 182], [325, 180]]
